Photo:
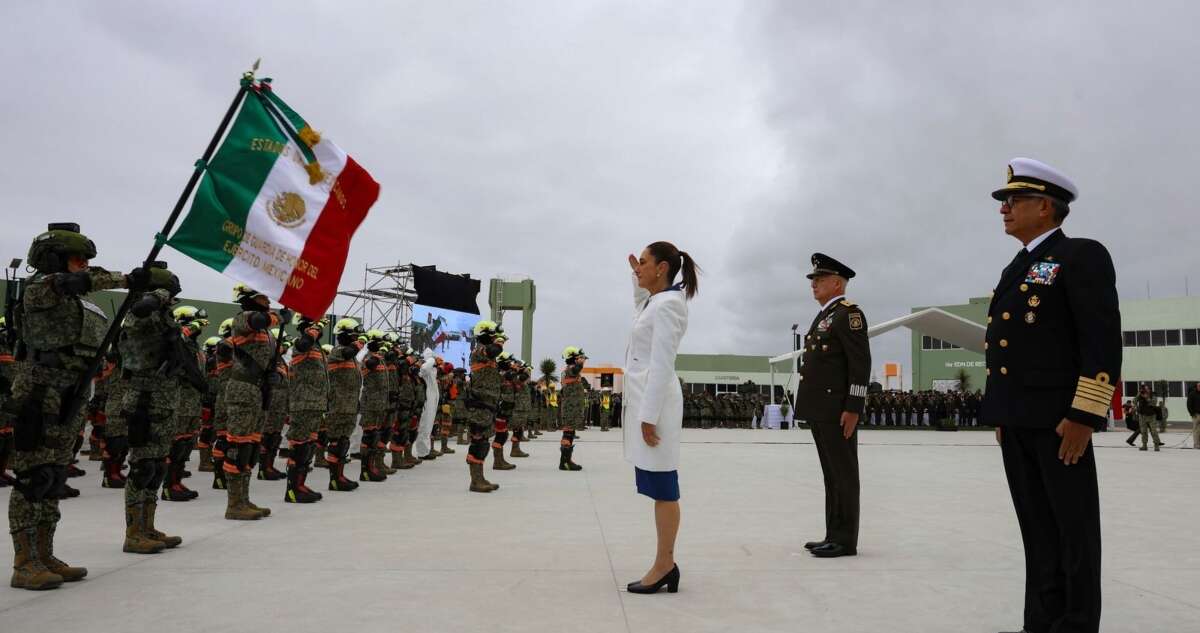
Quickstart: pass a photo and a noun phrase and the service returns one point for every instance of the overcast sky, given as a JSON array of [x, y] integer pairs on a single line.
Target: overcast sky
[[551, 139]]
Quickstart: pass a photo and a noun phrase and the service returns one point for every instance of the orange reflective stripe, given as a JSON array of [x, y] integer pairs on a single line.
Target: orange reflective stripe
[[478, 366], [346, 364], [6, 358]]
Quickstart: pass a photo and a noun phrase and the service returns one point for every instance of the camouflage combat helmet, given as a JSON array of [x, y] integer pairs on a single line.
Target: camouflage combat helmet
[[50, 250]]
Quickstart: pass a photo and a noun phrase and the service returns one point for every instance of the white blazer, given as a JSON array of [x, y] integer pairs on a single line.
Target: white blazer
[[651, 388]]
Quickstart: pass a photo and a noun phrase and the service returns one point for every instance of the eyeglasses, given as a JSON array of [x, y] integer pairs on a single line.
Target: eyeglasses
[[1011, 201]]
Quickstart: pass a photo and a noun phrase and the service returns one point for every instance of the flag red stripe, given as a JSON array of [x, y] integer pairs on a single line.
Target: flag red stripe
[[314, 280]]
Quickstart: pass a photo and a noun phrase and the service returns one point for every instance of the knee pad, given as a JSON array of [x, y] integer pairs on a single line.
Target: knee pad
[[117, 447], [242, 455], [37, 483], [141, 473], [160, 473]]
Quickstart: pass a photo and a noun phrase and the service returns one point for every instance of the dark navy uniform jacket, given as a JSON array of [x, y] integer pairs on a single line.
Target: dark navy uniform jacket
[[836, 364], [1053, 342]]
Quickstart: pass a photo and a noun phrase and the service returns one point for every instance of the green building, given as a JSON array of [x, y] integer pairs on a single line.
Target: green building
[[1161, 340], [721, 373]]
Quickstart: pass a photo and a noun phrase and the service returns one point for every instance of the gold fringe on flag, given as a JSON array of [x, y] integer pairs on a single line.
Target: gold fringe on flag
[[315, 174], [310, 136]]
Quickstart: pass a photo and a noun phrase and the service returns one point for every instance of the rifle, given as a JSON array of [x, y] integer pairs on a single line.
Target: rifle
[[13, 289]]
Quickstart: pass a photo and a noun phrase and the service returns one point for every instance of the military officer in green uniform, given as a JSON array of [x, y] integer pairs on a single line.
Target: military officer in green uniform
[[834, 373], [61, 332], [1053, 356]]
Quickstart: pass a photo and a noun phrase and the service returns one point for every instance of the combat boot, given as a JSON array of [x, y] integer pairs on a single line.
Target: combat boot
[[379, 458], [368, 472], [206, 460], [235, 508], [136, 541], [296, 493], [152, 533], [409, 458], [446, 450], [337, 478], [478, 483], [45, 554], [303, 484], [498, 461], [398, 460], [266, 462], [28, 571], [462, 438], [220, 481], [74, 471], [112, 477], [516, 450], [244, 482], [564, 460]]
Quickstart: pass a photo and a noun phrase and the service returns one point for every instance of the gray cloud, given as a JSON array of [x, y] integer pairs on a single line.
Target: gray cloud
[[551, 139]]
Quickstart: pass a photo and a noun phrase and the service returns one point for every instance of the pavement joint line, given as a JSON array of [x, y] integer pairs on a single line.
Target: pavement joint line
[[607, 553], [144, 559], [1155, 593]]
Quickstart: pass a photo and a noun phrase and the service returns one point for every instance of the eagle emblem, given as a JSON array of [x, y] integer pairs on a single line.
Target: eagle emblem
[[287, 209]]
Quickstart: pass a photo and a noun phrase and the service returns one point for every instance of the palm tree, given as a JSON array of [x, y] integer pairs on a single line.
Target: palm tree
[[964, 380], [548, 366]]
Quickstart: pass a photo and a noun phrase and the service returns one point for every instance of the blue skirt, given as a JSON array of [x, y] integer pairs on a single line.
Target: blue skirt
[[660, 486]]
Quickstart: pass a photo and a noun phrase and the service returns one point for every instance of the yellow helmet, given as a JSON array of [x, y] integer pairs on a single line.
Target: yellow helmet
[[212, 341], [187, 314], [242, 292], [226, 328], [327, 348], [573, 352], [504, 357], [346, 326], [375, 335], [487, 327]]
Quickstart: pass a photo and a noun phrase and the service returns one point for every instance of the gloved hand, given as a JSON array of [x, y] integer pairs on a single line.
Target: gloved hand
[[285, 315], [138, 279], [72, 284]]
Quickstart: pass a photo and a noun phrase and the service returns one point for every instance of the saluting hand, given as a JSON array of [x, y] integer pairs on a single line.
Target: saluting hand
[[633, 262], [1075, 438], [650, 434], [849, 421]]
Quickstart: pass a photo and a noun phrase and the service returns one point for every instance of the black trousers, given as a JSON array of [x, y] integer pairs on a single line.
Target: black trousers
[[839, 466], [1058, 510]]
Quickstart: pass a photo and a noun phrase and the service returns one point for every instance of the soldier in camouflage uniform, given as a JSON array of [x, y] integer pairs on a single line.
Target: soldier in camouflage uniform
[[95, 407], [323, 429], [391, 357], [345, 382], [149, 342], [373, 405], [574, 399], [254, 358], [522, 404], [217, 381], [208, 400], [116, 440], [458, 404], [308, 397], [61, 332], [445, 415], [404, 432], [8, 369], [276, 417], [188, 405], [504, 409], [483, 400]]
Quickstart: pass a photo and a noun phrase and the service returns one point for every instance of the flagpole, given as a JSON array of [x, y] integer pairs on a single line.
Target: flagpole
[[75, 401]]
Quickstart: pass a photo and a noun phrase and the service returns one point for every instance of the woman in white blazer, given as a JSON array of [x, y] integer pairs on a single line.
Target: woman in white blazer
[[652, 406]]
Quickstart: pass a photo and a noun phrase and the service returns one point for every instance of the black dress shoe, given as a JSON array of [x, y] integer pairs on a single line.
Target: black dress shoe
[[811, 545], [833, 550], [670, 581]]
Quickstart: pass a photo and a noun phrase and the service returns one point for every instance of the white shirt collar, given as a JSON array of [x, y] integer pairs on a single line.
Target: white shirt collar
[[831, 302], [1039, 239]]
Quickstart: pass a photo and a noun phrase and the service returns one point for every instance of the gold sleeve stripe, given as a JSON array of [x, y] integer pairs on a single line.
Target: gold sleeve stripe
[[1092, 382], [1091, 391], [1090, 406]]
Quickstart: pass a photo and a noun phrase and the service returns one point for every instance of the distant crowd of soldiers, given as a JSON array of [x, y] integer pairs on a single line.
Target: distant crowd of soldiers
[[728, 410], [922, 408]]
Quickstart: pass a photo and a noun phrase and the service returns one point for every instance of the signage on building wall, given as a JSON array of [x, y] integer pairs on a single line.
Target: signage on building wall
[[964, 363], [738, 378]]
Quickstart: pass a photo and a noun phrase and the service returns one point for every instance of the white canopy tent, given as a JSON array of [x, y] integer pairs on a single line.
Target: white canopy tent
[[934, 322]]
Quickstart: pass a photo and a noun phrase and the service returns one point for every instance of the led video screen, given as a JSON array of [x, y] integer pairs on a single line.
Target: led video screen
[[446, 332]]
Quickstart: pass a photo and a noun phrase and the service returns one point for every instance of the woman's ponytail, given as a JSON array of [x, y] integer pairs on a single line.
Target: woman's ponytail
[[689, 269], [677, 261]]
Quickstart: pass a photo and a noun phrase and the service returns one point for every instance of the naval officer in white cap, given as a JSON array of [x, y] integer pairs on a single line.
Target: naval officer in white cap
[[1053, 356]]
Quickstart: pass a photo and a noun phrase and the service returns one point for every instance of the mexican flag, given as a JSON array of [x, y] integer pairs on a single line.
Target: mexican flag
[[277, 206]]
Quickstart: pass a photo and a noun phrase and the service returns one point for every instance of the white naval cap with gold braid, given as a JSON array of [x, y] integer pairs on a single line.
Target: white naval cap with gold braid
[[1029, 176]]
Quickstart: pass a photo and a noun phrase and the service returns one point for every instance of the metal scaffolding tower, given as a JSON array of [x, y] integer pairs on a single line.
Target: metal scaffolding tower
[[385, 301]]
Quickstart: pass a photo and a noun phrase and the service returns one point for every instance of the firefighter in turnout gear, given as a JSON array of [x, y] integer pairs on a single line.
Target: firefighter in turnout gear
[[308, 397], [217, 381], [189, 404]]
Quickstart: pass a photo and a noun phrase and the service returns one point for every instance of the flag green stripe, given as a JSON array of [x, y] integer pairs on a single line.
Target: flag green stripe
[[213, 227]]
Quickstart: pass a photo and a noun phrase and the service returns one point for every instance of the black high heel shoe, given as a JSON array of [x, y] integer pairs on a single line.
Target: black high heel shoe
[[670, 581]]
